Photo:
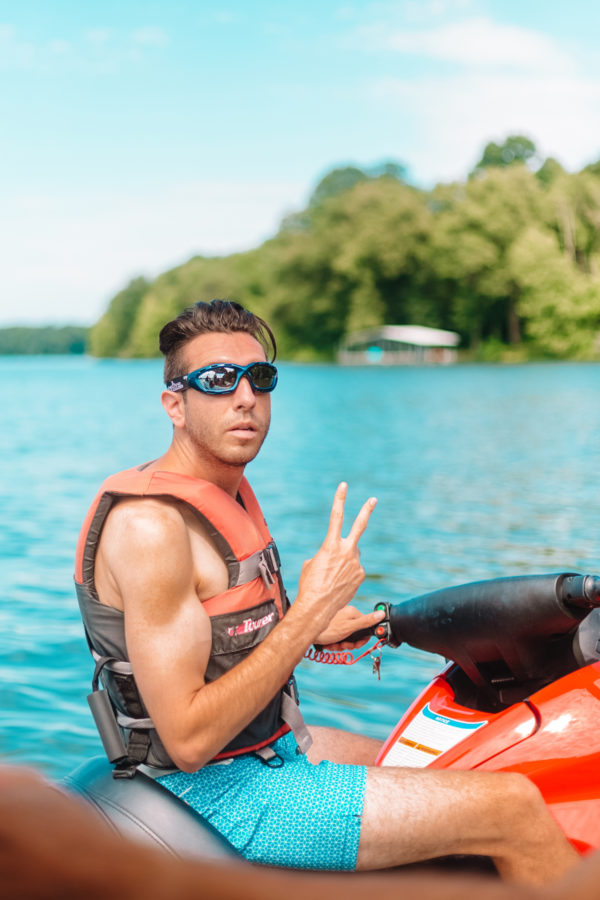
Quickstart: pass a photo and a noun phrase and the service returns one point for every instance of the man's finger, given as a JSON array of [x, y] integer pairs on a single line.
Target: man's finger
[[374, 617], [361, 521], [336, 519], [366, 620]]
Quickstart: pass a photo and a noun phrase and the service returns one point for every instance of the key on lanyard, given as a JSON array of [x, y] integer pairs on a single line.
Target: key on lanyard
[[377, 665]]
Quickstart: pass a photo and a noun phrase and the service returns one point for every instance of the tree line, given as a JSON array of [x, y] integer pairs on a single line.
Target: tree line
[[19, 340], [508, 258]]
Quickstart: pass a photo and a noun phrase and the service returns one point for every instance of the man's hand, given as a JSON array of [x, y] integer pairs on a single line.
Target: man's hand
[[346, 621], [331, 578]]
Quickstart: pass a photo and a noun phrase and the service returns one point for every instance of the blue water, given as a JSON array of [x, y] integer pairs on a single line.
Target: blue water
[[480, 472]]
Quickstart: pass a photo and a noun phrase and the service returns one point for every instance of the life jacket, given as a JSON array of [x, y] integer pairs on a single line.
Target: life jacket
[[241, 617]]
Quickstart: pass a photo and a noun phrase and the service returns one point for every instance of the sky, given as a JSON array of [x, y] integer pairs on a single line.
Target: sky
[[134, 135]]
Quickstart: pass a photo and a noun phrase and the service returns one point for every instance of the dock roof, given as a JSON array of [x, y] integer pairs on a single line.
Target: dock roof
[[416, 335]]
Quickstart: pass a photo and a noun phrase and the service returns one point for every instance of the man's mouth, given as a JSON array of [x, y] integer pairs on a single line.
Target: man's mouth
[[243, 426]]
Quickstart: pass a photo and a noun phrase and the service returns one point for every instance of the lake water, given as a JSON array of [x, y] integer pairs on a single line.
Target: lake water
[[480, 471]]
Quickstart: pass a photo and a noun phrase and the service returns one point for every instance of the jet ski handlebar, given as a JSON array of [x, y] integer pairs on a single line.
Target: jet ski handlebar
[[522, 628], [581, 590]]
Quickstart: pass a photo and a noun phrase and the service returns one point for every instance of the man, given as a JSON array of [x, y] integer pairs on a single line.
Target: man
[[178, 576]]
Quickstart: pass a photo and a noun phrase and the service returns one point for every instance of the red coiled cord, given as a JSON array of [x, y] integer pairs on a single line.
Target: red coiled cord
[[340, 657]]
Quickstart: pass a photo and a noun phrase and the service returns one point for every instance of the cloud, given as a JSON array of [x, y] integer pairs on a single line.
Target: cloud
[[14, 52], [475, 41], [561, 114], [64, 257], [59, 47], [111, 49], [98, 36], [150, 37], [227, 17], [482, 42], [491, 79], [424, 10]]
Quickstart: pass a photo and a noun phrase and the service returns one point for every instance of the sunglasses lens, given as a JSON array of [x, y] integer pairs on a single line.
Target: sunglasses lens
[[222, 379], [218, 378], [264, 376]]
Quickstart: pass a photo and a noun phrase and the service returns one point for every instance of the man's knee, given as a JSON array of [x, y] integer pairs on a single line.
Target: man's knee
[[520, 800]]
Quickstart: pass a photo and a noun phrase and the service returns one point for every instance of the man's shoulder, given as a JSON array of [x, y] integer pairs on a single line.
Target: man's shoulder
[[151, 520]]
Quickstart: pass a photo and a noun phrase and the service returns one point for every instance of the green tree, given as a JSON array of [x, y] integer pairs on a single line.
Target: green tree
[[475, 226], [549, 171], [560, 305], [356, 266], [110, 335], [574, 215], [336, 182], [239, 277], [344, 178], [21, 340], [515, 149]]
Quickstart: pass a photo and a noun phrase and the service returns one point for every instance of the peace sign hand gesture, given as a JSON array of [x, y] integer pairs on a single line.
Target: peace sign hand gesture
[[331, 578]]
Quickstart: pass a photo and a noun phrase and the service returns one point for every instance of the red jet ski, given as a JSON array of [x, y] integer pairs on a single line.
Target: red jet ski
[[521, 692]]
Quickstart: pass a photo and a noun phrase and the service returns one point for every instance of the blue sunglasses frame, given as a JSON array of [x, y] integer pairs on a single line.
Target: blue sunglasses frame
[[194, 379]]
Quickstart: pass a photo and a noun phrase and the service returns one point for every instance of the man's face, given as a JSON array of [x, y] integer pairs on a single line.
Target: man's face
[[227, 428]]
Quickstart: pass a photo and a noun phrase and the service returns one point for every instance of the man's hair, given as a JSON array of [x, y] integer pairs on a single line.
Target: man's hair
[[219, 315]]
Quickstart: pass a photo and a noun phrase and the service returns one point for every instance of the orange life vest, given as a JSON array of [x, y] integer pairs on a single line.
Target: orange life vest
[[241, 616]]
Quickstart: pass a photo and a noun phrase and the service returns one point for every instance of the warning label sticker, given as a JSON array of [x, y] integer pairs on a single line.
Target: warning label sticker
[[426, 737]]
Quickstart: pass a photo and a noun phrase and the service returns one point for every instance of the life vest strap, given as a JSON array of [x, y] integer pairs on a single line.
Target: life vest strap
[[291, 715], [120, 666], [131, 722], [264, 563]]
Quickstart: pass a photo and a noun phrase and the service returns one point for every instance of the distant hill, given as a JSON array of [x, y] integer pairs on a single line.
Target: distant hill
[[43, 339]]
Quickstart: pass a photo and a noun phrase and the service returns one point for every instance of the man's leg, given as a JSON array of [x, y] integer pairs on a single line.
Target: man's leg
[[416, 814], [53, 846], [342, 746]]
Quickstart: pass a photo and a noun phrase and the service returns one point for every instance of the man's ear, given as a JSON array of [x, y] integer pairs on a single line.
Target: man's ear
[[174, 406]]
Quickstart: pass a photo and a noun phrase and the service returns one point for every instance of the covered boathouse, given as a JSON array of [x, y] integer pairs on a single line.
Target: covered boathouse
[[399, 345]]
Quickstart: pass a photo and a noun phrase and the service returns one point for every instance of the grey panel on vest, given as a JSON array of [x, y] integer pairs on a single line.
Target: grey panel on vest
[[103, 624], [141, 809]]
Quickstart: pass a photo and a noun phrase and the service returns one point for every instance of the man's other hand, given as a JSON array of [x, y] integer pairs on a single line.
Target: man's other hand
[[345, 622]]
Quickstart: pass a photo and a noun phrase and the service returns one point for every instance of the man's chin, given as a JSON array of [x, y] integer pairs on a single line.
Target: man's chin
[[230, 452], [239, 457]]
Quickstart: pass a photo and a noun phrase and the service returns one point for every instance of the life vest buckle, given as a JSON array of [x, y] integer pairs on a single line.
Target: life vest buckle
[[268, 565], [265, 573]]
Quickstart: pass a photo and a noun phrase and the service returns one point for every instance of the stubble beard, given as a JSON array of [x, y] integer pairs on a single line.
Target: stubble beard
[[208, 447]]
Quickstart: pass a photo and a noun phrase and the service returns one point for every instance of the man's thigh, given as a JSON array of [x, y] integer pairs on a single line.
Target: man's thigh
[[342, 746], [415, 814]]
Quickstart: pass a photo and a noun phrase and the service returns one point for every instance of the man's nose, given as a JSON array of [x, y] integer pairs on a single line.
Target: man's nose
[[244, 393]]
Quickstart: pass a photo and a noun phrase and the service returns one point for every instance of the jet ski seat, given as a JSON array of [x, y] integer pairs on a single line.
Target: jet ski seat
[[143, 810]]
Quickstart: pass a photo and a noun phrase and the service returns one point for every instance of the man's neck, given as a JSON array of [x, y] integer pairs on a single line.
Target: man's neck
[[177, 460]]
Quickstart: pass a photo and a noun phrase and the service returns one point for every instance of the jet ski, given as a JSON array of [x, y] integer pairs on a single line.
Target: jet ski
[[520, 692]]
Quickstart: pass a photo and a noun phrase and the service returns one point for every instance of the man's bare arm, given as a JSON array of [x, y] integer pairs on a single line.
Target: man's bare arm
[[169, 636]]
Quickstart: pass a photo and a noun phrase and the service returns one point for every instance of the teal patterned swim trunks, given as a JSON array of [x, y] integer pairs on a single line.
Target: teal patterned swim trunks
[[297, 814]]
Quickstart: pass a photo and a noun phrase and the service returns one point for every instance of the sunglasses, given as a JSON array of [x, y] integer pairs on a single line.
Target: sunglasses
[[223, 378]]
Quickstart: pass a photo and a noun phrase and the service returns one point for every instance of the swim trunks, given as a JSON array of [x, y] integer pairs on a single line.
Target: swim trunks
[[294, 814]]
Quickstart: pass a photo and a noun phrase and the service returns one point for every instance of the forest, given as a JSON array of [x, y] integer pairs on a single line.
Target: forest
[[509, 258], [19, 340]]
